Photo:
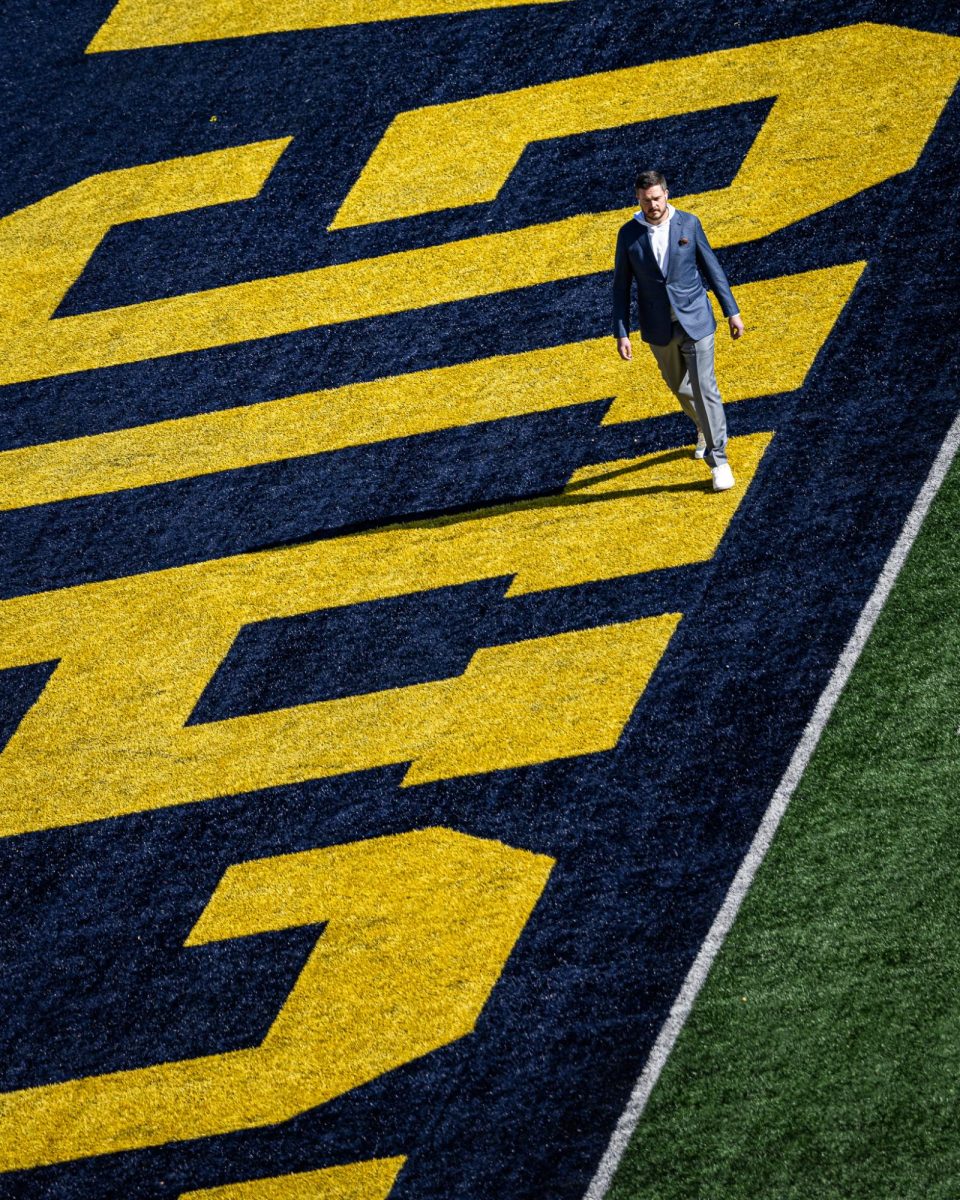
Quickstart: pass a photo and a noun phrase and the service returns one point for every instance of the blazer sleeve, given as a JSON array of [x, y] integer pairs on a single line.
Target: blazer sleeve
[[622, 289], [714, 274]]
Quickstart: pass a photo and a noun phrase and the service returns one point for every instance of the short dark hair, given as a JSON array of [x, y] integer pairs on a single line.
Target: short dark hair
[[649, 179]]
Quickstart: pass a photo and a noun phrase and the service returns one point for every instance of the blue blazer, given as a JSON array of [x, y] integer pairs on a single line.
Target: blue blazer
[[689, 267]]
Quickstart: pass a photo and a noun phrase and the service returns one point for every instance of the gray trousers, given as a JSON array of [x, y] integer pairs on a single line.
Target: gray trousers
[[687, 370]]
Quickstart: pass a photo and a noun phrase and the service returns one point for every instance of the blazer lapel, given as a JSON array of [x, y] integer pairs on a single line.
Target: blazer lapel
[[646, 250], [677, 231]]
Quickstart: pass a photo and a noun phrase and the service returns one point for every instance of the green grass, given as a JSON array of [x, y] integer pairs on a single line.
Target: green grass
[[822, 1059]]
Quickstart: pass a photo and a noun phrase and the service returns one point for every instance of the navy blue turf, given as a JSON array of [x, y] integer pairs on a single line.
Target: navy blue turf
[[94, 976]]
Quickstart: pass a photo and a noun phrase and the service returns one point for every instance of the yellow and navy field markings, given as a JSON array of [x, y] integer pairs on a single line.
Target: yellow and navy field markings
[[418, 923]]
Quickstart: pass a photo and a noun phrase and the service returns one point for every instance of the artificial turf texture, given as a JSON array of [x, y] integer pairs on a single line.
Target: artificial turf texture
[[822, 1057], [316, 537]]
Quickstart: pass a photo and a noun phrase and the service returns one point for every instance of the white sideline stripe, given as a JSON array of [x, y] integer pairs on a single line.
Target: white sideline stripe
[[696, 977]]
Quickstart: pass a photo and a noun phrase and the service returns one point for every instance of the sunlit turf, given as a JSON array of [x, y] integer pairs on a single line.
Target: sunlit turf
[[822, 1059]]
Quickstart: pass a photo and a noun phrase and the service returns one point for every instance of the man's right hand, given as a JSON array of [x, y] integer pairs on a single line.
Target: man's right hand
[[624, 349]]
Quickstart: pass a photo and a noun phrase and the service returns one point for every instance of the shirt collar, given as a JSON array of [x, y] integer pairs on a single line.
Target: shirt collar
[[671, 213]]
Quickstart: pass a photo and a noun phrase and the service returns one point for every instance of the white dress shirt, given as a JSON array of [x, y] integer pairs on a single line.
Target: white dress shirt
[[659, 237], [660, 242]]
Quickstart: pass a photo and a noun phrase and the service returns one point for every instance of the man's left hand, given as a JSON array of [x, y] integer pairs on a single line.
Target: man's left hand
[[736, 326]]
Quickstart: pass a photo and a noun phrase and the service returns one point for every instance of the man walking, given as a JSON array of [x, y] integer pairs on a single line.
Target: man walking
[[667, 253]]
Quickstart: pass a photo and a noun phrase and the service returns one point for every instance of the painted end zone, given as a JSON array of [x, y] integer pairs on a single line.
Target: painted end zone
[[823, 1046], [387, 703]]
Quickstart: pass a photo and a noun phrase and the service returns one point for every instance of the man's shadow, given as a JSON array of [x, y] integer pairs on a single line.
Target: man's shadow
[[462, 514]]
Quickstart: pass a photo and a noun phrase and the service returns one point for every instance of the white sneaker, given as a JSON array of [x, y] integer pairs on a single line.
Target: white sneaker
[[722, 477], [701, 449]]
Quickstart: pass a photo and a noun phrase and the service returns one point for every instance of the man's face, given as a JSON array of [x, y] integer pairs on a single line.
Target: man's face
[[653, 202]]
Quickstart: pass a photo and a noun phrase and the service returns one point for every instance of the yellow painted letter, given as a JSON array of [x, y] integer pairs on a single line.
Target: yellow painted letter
[[419, 928]]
